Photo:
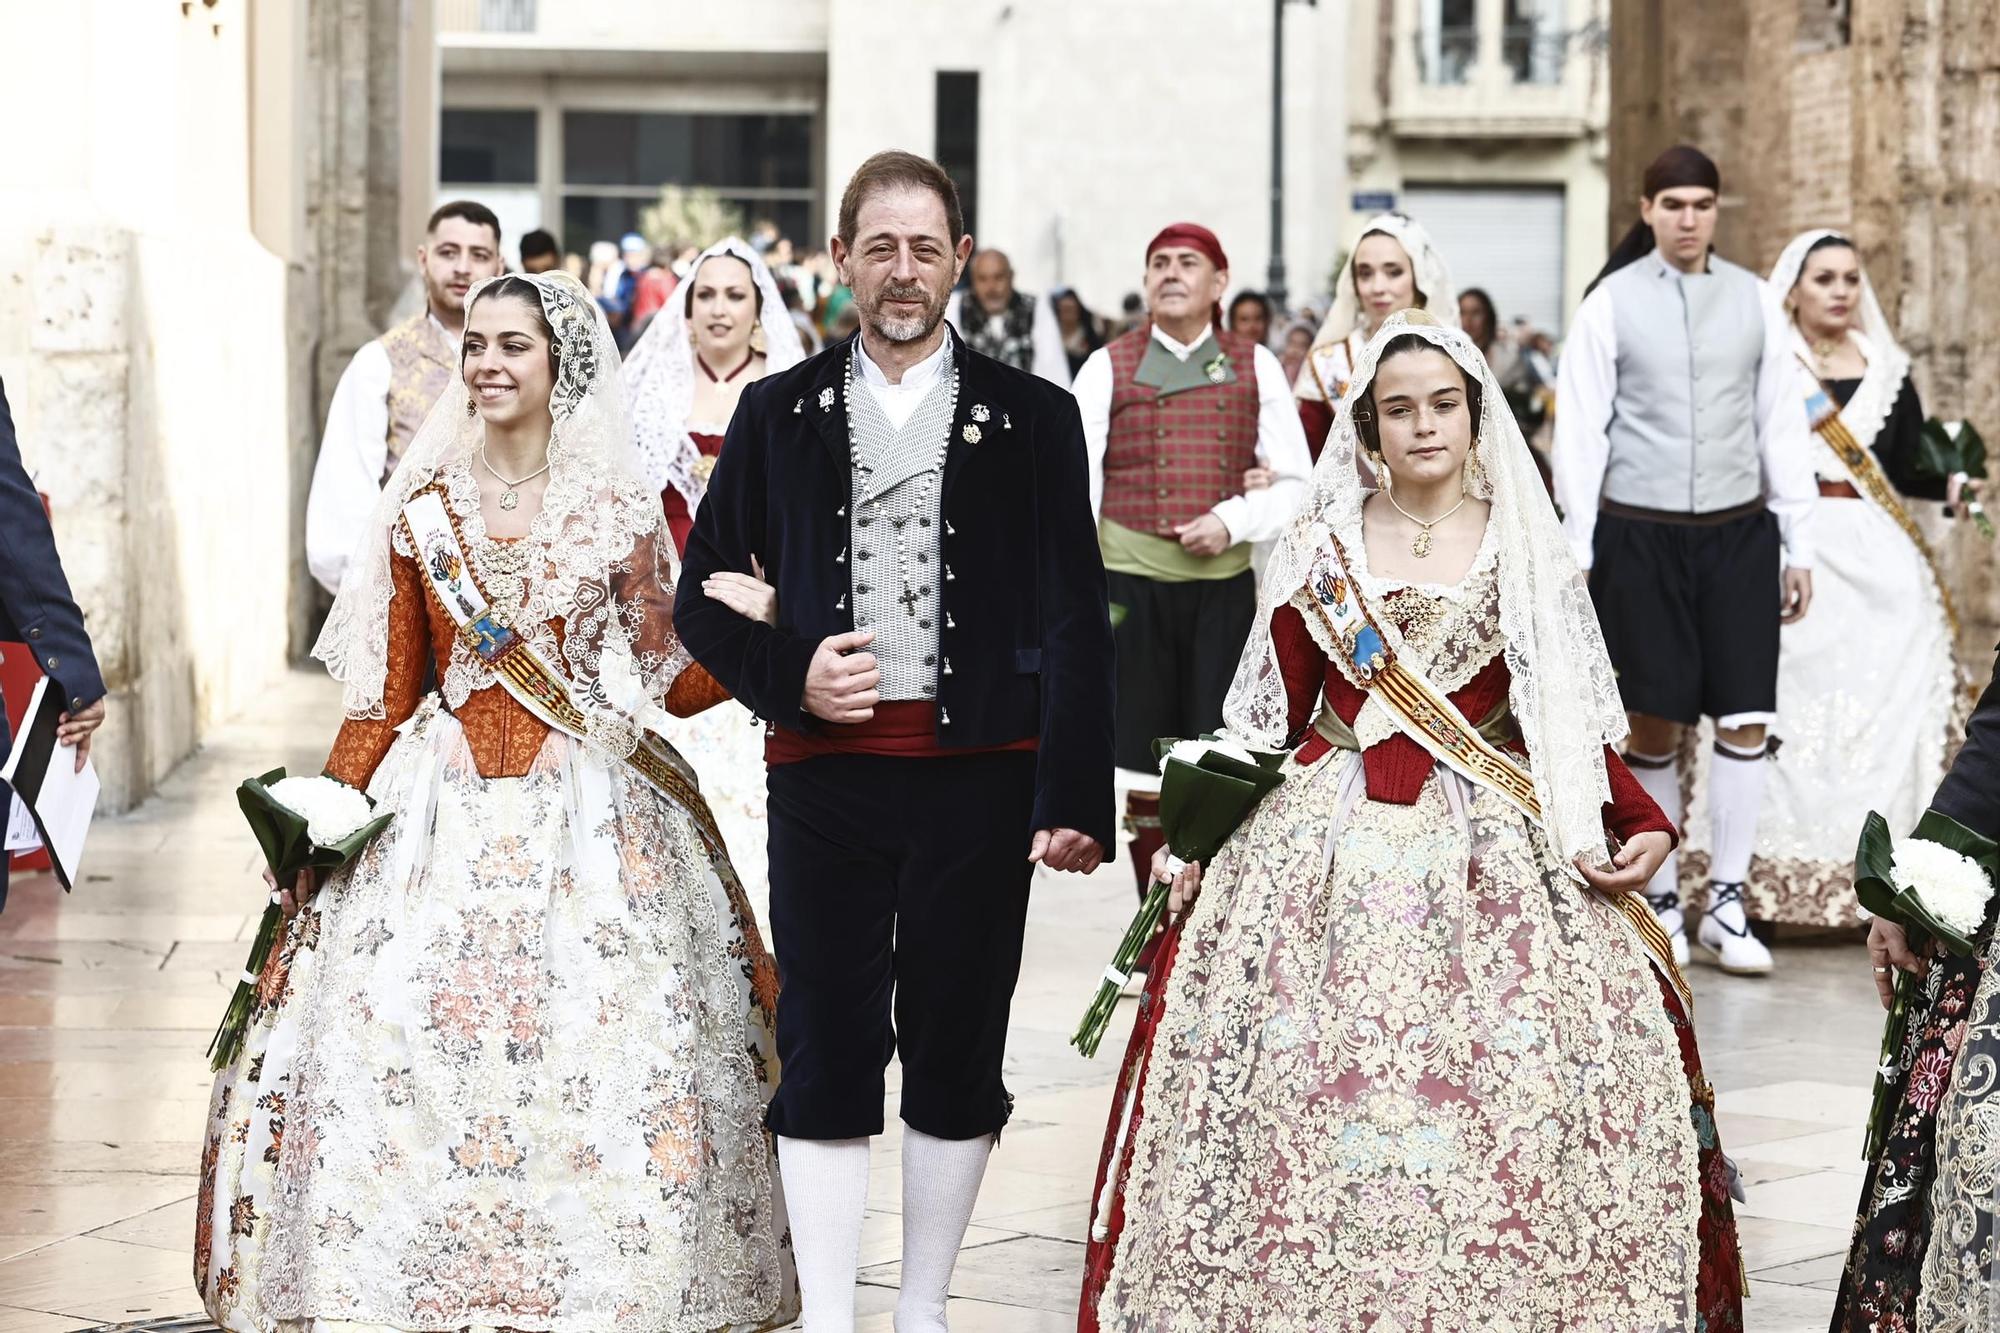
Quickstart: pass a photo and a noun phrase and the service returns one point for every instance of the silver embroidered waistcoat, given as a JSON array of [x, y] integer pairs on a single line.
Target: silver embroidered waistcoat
[[897, 488]]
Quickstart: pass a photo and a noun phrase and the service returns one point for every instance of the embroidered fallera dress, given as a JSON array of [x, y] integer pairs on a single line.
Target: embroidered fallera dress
[[1398, 1071], [1869, 701], [509, 1070]]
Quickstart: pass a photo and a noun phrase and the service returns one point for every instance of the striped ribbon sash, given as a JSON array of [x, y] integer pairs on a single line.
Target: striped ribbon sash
[[1429, 717], [523, 672], [1860, 463]]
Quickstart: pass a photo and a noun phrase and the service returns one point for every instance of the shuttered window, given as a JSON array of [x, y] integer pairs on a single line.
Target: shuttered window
[[1506, 239]]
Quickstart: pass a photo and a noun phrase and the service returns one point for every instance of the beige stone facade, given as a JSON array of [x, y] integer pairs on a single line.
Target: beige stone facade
[[1877, 117], [201, 216]]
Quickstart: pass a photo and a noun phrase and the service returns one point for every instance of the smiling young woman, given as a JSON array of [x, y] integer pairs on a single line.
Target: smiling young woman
[[534, 1020]]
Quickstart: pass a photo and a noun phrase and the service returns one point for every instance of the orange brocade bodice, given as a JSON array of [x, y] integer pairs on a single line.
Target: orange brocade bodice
[[504, 737]]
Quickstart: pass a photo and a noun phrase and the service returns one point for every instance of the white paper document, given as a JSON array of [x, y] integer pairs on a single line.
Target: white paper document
[[43, 774]]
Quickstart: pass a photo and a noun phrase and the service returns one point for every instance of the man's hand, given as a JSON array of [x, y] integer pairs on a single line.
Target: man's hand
[[1797, 596], [75, 728], [1066, 849], [1889, 947], [840, 683], [1207, 535], [1634, 865]]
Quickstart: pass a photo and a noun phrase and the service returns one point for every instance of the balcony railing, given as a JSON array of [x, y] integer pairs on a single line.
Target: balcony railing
[[486, 15], [1447, 55], [1533, 52]]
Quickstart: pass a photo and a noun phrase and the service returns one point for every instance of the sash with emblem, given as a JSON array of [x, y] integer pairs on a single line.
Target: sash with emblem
[[1429, 717], [522, 671]]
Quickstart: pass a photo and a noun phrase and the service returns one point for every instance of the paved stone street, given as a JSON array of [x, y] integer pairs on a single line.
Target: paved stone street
[[107, 999]]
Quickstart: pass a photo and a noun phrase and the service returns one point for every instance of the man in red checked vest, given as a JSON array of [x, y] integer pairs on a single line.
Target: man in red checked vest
[[1174, 413]]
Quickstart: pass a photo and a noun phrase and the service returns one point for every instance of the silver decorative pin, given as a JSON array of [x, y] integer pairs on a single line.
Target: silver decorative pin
[[826, 400], [980, 412], [971, 433], [798, 408]]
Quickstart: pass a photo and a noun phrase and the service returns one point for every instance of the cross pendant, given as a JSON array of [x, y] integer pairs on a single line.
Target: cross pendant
[[909, 600]]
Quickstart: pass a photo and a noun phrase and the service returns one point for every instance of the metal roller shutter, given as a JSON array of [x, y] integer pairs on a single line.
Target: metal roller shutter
[[1506, 239]]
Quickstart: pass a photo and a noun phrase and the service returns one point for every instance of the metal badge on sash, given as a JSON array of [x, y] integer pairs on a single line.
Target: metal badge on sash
[[523, 672], [1425, 714]]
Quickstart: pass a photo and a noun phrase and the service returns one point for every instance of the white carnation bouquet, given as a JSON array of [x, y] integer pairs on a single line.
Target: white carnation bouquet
[[1937, 884], [304, 823]]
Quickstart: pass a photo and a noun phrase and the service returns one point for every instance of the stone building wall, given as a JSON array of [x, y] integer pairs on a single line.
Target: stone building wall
[[1889, 131], [196, 227]]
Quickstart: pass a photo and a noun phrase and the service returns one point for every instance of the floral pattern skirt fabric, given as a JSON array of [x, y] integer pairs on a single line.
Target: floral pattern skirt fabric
[[508, 1072], [1408, 1075]]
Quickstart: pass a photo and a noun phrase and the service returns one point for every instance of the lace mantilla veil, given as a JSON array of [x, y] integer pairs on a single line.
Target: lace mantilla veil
[[1433, 280], [659, 375], [1888, 363], [1563, 695], [602, 564]]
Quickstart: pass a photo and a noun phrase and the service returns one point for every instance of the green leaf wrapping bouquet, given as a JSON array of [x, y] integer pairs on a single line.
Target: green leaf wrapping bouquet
[[1937, 884], [1208, 787], [305, 823], [1947, 448]]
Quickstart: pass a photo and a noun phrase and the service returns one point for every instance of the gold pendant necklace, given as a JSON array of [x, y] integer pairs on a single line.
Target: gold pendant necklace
[[1421, 547], [511, 497]]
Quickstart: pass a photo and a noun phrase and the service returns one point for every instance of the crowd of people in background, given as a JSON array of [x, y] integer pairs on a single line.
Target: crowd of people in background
[[631, 279]]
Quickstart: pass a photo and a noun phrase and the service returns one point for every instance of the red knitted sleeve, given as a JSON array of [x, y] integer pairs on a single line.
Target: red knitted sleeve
[[1631, 811], [1301, 663]]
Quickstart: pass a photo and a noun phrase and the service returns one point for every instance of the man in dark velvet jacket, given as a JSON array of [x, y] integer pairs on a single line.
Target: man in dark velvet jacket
[[939, 693], [37, 610]]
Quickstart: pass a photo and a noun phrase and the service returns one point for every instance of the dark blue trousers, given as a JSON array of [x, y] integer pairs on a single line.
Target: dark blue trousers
[[899, 894]]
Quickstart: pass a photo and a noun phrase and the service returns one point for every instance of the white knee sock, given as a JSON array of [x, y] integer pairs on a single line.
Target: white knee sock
[[1661, 777], [826, 1193], [1735, 796], [940, 1184]]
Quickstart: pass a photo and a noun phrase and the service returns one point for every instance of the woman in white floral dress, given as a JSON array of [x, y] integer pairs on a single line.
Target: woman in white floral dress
[[1409, 1064], [509, 1069]]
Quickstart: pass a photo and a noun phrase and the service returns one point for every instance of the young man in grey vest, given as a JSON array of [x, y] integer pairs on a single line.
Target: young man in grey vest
[[1686, 482]]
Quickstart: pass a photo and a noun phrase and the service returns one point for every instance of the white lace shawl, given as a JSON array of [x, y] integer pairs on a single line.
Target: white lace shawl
[[659, 375], [602, 576], [1433, 282], [1563, 694], [1888, 363]]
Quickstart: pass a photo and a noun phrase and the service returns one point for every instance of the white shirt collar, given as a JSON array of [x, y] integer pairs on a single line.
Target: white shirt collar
[[916, 379], [1182, 351]]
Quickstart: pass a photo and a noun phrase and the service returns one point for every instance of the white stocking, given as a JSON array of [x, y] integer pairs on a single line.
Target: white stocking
[[826, 1193], [1661, 778], [1735, 796], [940, 1184]]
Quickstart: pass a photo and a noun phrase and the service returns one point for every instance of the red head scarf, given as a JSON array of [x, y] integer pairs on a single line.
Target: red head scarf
[[1192, 236]]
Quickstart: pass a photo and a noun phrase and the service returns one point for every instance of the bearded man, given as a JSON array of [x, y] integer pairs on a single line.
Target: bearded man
[[938, 694], [389, 387]]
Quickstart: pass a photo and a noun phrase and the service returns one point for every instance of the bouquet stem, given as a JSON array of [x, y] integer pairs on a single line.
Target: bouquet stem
[[1888, 1067], [227, 1043], [1090, 1033]]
